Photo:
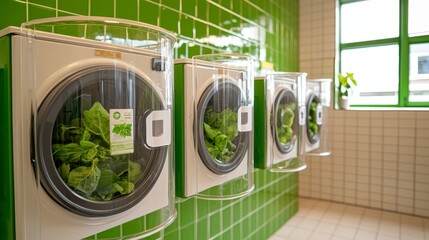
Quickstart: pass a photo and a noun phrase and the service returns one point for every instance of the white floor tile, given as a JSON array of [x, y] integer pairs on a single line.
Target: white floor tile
[[275, 237], [386, 237], [285, 231], [319, 236], [326, 227], [365, 235], [345, 231], [322, 220], [300, 233]]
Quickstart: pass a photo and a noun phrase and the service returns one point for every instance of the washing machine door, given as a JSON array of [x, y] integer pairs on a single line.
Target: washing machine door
[[221, 145], [83, 166], [284, 116], [314, 118]]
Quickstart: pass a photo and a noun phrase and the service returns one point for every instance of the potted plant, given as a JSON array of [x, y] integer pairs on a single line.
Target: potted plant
[[344, 88]]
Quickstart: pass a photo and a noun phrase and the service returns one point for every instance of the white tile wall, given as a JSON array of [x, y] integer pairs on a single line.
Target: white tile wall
[[380, 159]]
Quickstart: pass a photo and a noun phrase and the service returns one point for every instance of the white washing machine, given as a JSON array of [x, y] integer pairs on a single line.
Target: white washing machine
[[318, 117], [101, 150], [214, 97], [279, 121]]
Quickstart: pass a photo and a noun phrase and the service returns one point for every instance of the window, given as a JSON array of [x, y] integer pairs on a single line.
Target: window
[[385, 43]]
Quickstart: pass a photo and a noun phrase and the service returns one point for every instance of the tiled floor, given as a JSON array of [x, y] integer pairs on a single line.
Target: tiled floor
[[320, 220]]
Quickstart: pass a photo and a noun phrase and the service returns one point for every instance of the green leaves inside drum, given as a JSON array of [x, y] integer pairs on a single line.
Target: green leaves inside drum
[[312, 120], [81, 151], [220, 130], [285, 119]]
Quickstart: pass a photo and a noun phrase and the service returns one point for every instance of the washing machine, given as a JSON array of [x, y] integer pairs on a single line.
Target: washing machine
[[318, 117], [279, 121], [90, 140], [214, 126]]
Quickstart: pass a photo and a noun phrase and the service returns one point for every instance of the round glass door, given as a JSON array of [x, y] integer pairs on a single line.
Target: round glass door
[[284, 116], [313, 128], [220, 145], [77, 166]]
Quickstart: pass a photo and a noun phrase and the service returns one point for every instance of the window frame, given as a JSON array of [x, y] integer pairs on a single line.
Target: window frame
[[403, 41]]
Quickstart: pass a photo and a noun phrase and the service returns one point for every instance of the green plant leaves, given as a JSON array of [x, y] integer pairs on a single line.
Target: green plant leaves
[[83, 160], [312, 120], [220, 129], [345, 83], [85, 179], [285, 118], [96, 121]]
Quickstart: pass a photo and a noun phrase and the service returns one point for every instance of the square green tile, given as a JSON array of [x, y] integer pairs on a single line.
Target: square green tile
[[215, 224], [237, 6], [169, 19], [175, 4], [253, 226], [188, 7], [137, 225], [36, 12], [154, 219], [202, 208], [127, 9], [13, 13], [226, 217], [201, 30], [149, 12], [172, 235], [188, 232], [187, 211], [246, 226], [76, 6], [246, 208], [236, 212], [46, 3], [103, 8], [181, 50], [214, 31], [114, 232], [236, 231], [202, 228], [227, 234], [202, 7], [186, 26]]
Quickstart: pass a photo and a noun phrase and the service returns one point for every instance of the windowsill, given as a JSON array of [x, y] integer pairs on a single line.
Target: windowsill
[[384, 109]]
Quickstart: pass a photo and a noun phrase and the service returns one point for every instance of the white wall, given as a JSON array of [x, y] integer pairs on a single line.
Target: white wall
[[380, 159]]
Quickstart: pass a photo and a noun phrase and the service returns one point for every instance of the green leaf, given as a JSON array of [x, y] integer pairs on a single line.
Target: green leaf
[[124, 187], [85, 179], [96, 121], [64, 171], [134, 172], [221, 142], [220, 129], [209, 132], [71, 152], [105, 187]]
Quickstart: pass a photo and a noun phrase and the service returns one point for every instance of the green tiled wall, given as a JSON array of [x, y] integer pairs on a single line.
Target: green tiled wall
[[267, 29]]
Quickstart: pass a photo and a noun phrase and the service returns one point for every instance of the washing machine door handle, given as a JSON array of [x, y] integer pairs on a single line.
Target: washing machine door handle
[[158, 128], [244, 119]]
